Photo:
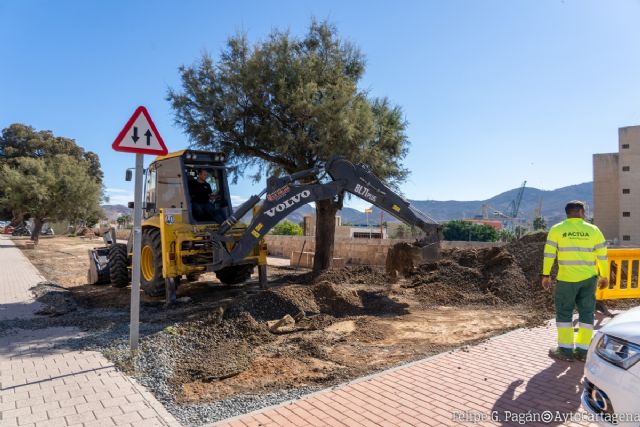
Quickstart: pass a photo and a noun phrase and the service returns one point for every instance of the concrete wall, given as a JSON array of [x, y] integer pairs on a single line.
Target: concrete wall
[[354, 251], [606, 194], [629, 210]]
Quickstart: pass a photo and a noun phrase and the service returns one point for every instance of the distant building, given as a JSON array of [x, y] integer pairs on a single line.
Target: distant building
[[357, 231], [616, 189]]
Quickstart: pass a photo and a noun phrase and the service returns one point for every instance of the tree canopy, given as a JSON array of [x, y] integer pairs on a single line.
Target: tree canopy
[[286, 103], [48, 177], [19, 140]]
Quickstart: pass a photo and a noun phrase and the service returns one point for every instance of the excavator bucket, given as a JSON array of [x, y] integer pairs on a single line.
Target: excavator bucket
[[98, 273], [404, 257]]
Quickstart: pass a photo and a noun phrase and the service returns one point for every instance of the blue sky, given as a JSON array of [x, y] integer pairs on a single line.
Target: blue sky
[[495, 92]]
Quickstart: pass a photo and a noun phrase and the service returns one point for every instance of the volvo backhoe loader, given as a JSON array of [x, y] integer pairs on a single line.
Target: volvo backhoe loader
[[175, 243]]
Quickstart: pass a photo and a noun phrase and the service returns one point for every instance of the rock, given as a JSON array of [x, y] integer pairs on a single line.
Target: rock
[[286, 324], [298, 317], [184, 299]]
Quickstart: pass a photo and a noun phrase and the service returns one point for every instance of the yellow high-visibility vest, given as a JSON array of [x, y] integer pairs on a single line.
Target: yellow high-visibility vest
[[580, 248]]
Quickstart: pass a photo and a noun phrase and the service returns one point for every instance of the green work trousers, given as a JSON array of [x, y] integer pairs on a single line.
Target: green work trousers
[[569, 295]]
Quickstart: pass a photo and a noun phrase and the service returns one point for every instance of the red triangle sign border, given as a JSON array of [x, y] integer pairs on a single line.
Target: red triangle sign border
[[125, 130]]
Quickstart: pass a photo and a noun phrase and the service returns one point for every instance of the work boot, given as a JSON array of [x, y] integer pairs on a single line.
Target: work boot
[[564, 355], [580, 355]]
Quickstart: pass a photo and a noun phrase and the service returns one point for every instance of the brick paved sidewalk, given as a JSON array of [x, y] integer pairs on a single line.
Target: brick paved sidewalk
[[43, 384], [511, 372]]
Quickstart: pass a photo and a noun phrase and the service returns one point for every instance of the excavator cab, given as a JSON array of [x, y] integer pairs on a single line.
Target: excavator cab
[[179, 181]]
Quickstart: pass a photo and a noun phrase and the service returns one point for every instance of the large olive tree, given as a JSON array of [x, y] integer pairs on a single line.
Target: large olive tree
[[286, 103]]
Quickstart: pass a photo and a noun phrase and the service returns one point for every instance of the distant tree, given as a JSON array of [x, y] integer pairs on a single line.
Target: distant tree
[[539, 223], [50, 188], [402, 231], [505, 235], [287, 228], [124, 220], [19, 141], [287, 103], [520, 231], [465, 230]]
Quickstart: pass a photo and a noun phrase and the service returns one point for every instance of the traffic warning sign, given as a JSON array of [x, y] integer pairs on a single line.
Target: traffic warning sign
[[140, 135]]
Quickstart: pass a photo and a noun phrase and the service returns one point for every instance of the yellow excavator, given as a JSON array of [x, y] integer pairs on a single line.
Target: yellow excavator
[[178, 242]]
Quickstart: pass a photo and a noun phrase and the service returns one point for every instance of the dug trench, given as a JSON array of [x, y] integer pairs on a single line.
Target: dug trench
[[239, 344]]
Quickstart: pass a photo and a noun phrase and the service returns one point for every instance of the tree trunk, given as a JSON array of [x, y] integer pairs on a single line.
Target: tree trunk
[[37, 228], [17, 219], [325, 234]]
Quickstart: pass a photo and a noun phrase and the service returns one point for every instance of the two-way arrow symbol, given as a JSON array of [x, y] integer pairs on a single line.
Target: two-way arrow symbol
[[135, 136]]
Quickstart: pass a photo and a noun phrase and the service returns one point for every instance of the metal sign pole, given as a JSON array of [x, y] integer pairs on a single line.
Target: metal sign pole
[[134, 326]]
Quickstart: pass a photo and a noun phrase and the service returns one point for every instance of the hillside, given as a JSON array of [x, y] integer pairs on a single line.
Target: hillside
[[553, 202], [114, 211]]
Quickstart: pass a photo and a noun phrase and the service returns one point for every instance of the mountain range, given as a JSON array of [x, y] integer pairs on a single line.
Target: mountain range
[[552, 203]]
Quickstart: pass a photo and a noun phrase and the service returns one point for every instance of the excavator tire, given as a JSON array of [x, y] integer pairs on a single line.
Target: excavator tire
[[118, 261], [151, 279], [235, 274]]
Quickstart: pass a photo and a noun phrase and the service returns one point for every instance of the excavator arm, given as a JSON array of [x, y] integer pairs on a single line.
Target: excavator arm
[[285, 195]]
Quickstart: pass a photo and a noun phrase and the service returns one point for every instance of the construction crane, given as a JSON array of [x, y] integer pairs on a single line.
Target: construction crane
[[514, 206]]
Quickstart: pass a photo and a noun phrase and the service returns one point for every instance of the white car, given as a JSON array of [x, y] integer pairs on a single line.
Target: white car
[[611, 392]]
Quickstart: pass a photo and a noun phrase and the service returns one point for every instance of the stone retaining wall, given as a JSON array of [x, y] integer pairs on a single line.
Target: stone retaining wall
[[354, 251]]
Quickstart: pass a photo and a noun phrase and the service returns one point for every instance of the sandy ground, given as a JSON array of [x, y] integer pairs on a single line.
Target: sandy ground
[[390, 326]]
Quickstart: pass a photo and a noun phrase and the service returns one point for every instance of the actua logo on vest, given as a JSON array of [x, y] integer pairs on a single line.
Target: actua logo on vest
[[575, 234]]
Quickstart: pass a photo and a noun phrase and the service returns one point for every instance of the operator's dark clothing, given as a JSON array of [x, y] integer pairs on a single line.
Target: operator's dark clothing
[[202, 208], [199, 191]]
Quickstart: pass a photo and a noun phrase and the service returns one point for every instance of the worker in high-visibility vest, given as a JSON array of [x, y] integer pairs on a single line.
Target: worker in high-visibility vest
[[582, 262]]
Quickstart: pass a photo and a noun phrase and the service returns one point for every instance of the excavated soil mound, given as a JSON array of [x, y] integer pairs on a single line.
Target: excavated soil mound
[[56, 299], [357, 274], [211, 349], [324, 297], [500, 275], [336, 300]]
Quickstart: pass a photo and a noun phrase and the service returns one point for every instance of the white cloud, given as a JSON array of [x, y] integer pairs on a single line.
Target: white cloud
[[238, 200], [117, 190], [118, 196]]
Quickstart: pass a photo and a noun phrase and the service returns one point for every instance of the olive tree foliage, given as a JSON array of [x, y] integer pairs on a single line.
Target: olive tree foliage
[[287, 103], [48, 178]]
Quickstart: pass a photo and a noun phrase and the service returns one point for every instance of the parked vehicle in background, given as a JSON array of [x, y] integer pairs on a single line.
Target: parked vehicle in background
[[8, 229], [23, 229], [612, 372]]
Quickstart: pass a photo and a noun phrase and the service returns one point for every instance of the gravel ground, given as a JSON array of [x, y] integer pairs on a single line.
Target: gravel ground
[[107, 331]]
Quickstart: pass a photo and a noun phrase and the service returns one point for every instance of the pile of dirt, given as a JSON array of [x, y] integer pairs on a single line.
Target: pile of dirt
[[212, 348], [333, 298], [357, 274], [490, 276], [56, 299], [222, 344]]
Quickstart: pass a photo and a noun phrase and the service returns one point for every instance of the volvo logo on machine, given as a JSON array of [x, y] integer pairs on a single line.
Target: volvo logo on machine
[[364, 192], [293, 200]]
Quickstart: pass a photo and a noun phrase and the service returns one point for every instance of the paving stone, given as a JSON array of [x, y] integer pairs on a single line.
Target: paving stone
[[51, 387]]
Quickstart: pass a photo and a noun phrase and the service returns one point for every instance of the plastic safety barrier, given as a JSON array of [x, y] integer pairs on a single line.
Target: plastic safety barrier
[[624, 275]]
